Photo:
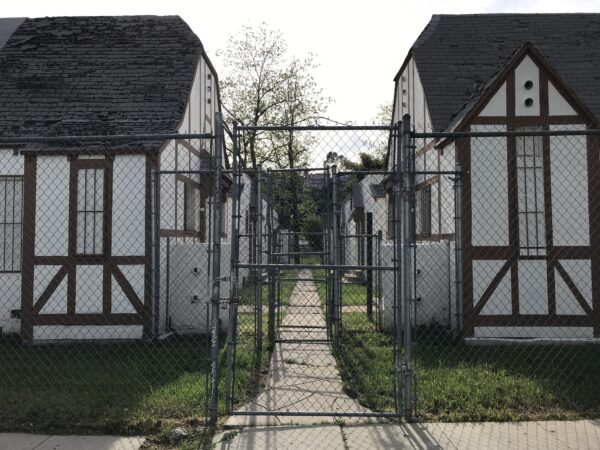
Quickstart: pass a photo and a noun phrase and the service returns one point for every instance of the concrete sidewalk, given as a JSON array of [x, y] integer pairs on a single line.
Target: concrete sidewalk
[[580, 435], [22, 441], [303, 375]]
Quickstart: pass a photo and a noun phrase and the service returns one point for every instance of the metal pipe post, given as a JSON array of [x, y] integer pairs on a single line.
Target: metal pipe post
[[156, 256], [379, 280], [335, 247], [397, 190], [370, 263], [458, 186], [233, 275], [408, 247], [216, 272], [271, 245], [258, 260]]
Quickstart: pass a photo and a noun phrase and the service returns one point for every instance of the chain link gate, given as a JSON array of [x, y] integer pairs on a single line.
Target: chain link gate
[[314, 274]]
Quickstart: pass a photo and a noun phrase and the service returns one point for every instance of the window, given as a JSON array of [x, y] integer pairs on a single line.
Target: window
[[11, 222], [390, 214], [530, 185], [224, 217], [191, 208], [90, 211], [423, 212]]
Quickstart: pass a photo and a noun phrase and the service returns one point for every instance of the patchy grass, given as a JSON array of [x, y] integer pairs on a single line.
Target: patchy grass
[[125, 388], [356, 295], [457, 382], [135, 388]]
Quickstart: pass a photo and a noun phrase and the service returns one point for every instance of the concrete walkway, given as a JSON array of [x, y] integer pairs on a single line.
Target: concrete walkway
[[22, 441], [580, 435], [302, 375]]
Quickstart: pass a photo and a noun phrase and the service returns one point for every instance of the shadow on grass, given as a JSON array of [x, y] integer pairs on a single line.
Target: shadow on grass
[[117, 388], [458, 382]]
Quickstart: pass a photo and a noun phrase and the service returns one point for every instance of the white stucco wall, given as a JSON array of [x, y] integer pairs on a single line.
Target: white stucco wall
[[52, 206], [189, 304], [129, 202], [527, 70], [434, 284], [410, 99], [496, 106], [570, 202], [447, 163], [557, 104], [489, 188]]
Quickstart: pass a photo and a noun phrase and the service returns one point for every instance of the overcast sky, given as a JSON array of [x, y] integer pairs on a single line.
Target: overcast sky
[[359, 45]]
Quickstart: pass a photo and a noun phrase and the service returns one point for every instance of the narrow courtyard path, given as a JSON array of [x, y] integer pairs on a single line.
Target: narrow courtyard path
[[302, 376]]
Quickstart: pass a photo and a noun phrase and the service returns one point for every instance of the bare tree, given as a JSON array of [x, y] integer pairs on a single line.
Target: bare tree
[[261, 86]]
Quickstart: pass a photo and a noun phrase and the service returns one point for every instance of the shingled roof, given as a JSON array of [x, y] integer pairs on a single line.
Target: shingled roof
[[96, 75], [457, 54]]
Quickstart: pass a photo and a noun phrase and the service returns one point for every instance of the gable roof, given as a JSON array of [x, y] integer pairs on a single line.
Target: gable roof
[[97, 75], [457, 55]]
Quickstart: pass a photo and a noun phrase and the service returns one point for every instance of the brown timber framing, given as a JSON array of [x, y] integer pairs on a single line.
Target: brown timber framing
[[31, 308], [29, 199], [151, 161], [510, 253], [594, 217]]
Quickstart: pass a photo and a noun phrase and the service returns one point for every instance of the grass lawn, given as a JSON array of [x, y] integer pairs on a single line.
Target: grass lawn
[[356, 294], [145, 388], [457, 382]]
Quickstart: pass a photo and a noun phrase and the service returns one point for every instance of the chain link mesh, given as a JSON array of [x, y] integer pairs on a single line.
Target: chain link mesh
[[347, 288]]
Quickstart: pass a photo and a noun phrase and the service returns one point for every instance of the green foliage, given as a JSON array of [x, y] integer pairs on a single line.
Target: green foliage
[[263, 85]]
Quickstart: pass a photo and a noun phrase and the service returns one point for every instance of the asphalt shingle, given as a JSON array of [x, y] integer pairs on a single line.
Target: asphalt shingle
[[96, 75], [457, 54]]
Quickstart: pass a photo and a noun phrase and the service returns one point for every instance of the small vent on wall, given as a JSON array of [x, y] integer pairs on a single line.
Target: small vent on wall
[[528, 102], [528, 84]]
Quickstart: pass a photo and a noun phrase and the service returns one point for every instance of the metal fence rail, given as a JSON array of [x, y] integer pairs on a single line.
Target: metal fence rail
[[117, 239], [458, 279]]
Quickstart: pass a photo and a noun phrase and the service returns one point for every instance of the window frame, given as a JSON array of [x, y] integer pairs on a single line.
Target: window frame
[[423, 211], [4, 224], [536, 212], [84, 168]]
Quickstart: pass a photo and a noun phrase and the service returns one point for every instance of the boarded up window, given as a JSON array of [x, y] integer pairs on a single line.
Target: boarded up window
[[11, 222]]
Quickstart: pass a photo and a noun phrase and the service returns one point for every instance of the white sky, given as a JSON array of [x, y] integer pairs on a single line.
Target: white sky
[[359, 45]]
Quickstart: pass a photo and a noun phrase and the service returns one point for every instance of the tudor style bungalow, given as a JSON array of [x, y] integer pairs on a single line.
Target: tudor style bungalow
[[78, 255], [531, 228]]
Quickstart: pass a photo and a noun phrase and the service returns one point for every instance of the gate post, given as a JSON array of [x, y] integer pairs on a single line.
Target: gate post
[[408, 247], [336, 307], [259, 255], [271, 244], [458, 273], [233, 273], [370, 263], [379, 283], [216, 271], [398, 260], [155, 181]]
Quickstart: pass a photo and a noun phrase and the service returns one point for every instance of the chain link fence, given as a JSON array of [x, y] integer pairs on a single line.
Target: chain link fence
[[107, 251], [149, 282], [504, 322]]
